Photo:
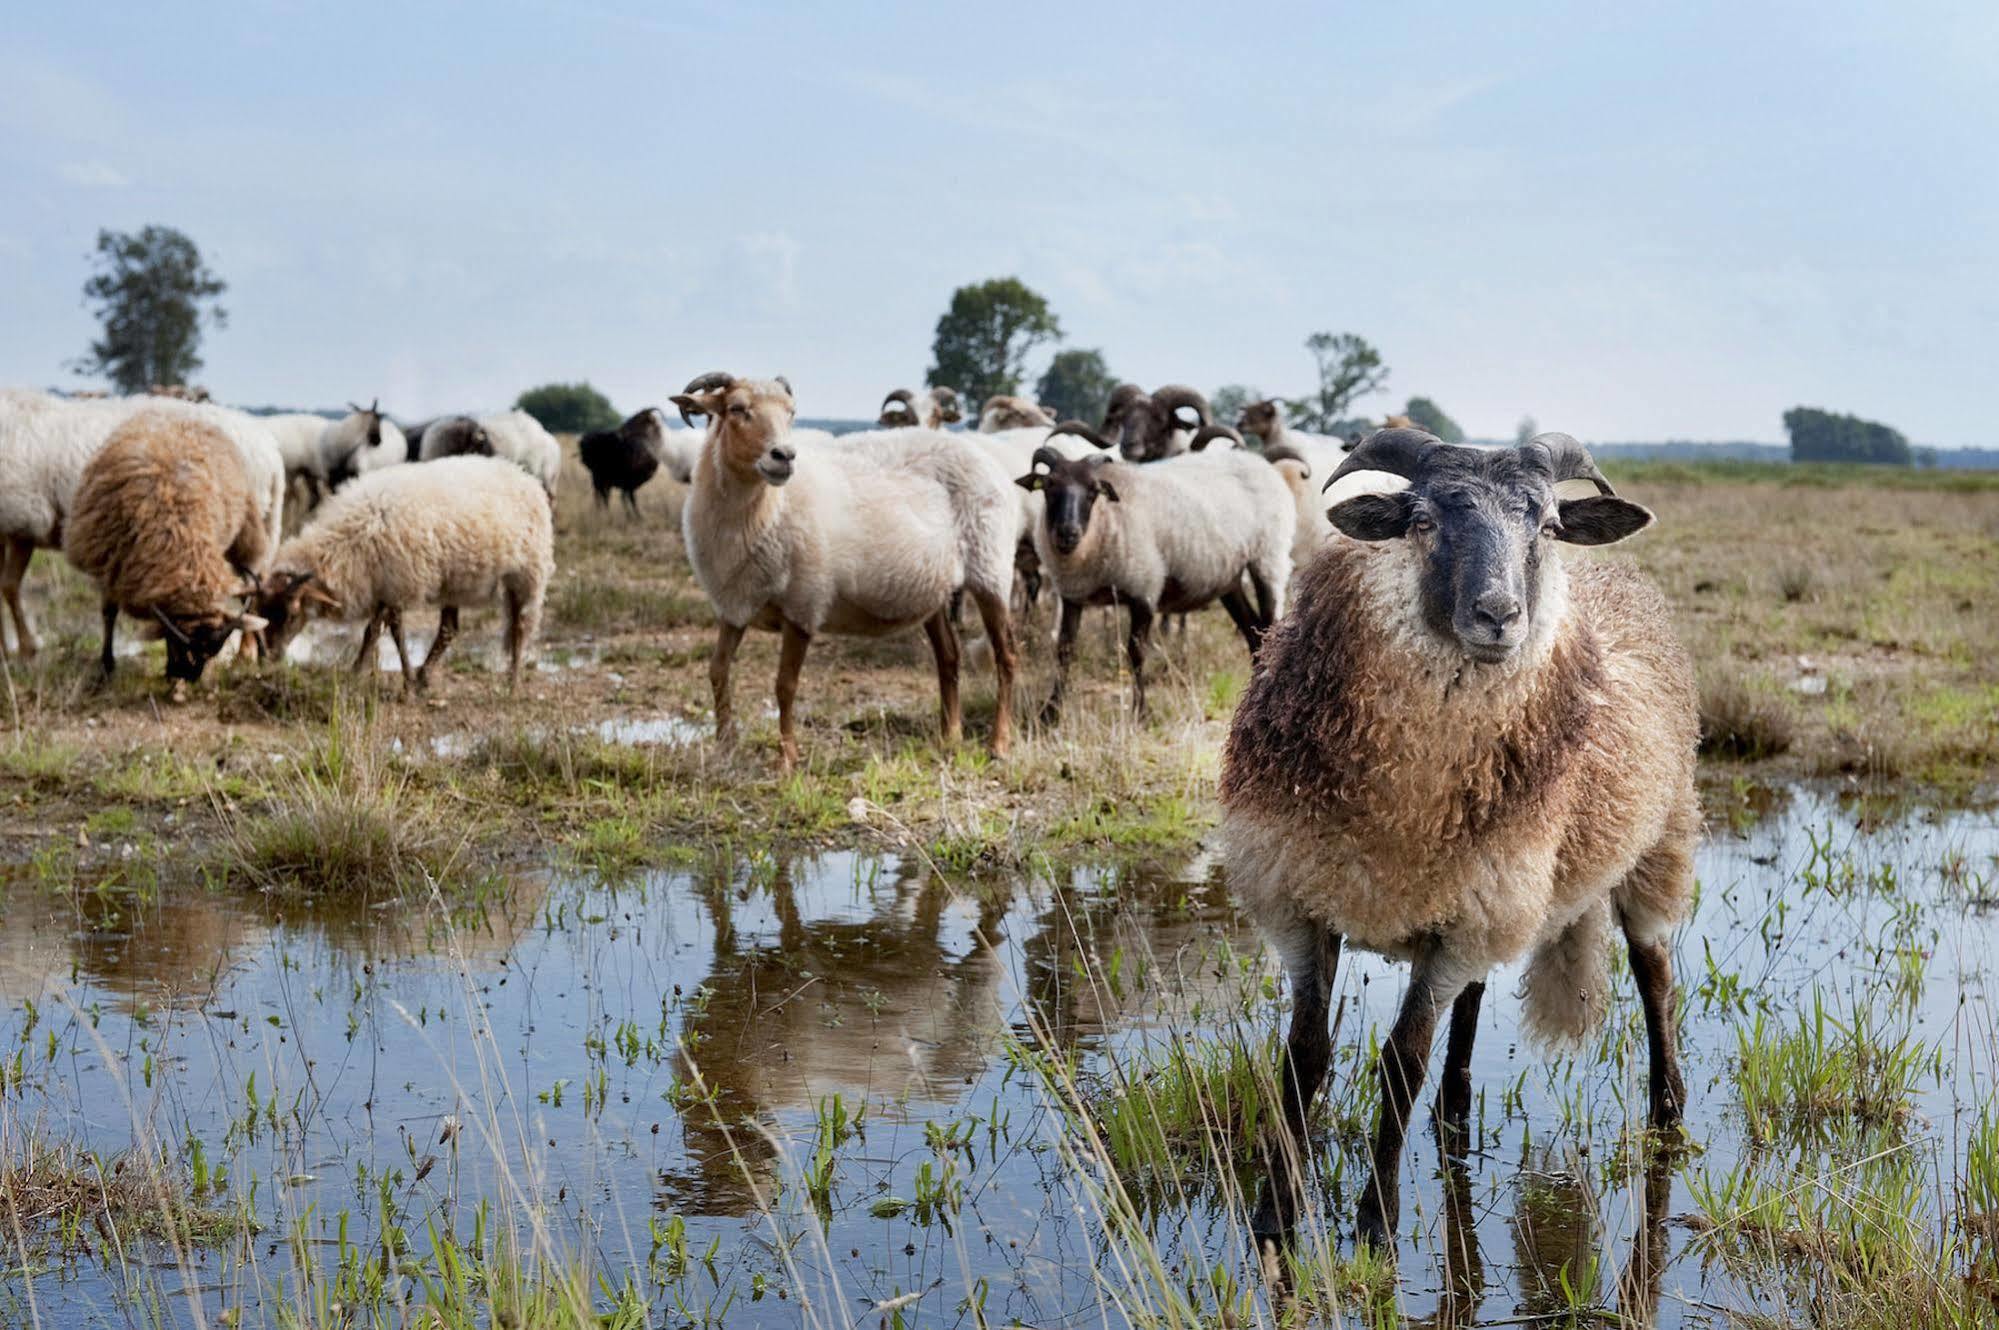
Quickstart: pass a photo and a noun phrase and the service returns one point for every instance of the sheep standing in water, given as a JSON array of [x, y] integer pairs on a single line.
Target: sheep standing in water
[[1459, 750]]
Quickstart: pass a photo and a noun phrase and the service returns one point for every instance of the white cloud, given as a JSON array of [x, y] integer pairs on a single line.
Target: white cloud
[[93, 175]]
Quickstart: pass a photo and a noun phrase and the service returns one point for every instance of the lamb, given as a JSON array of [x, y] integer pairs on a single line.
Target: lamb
[[45, 443], [1461, 749], [1147, 427], [164, 521], [624, 458], [935, 409], [1005, 413], [457, 532], [1165, 537], [866, 534]]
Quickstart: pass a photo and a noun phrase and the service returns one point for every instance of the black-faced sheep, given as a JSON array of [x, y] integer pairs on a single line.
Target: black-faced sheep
[[625, 458], [865, 534], [455, 533], [1161, 538], [1146, 427], [164, 521], [1460, 749]]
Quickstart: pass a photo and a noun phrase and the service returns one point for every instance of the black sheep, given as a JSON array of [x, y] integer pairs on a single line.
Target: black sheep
[[624, 458]]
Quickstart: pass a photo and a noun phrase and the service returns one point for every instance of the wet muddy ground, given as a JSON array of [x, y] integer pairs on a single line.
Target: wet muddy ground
[[851, 1089]]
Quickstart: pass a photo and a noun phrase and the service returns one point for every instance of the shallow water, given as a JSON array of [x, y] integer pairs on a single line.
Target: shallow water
[[569, 1028]]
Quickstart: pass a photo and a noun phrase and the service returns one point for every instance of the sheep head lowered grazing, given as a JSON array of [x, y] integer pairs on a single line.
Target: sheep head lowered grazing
[[1461, 749]]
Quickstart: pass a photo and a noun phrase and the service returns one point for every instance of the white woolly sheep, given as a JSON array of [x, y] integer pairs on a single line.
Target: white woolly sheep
[[165, 523], [363, 440], [1313, 529], [1460, 749], [1162, 537], [45, 443], [866, 534], [455, 533], [514, 435]]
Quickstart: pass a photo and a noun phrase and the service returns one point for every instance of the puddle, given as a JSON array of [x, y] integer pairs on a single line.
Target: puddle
[[573, 1030], [334, 645], [673, 731]]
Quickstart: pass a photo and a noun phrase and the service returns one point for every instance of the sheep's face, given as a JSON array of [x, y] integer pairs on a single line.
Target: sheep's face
[[284, 602], [1480, 524], [194, 639], [1149, 422], [1259, 418], [944, 405], [1071, 491], [750, 427]]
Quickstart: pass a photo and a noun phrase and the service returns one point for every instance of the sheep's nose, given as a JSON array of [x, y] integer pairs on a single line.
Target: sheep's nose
[[1497, 610], [782, 454]]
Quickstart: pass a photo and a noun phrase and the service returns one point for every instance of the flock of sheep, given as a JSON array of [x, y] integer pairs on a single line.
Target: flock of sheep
[[1455, 748]]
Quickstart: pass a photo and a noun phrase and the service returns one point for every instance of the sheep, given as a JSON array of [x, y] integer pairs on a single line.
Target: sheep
[[45, 443], [1005, 413], [935, 409], [452, 436], [866, 534], [514, 435], [1264, 420], [165, 523], [364, 440], [1313, 529], [625, 458], [1461, 749], [1146, 427], [456, 532], [1165, 537], [297, 436]]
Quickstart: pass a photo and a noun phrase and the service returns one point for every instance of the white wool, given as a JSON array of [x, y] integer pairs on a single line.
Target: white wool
[[520, 438], [346, 441], [297, 434]]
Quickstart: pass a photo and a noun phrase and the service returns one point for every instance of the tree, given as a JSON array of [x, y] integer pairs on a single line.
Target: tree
[[1428, 415], [1821, 436], [1229, 400], [1525, 431], [568, 408], [1348, 368], [983, 339], [149, 290], [1077, 385]]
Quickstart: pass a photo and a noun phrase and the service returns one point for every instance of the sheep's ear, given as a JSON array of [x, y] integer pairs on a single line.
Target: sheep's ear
[[691, 406], [1105, 488], [1033, 480], [1600, 520], [1371, 516]]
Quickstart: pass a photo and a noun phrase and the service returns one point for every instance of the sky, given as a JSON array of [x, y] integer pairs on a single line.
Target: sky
[[1633, 222]]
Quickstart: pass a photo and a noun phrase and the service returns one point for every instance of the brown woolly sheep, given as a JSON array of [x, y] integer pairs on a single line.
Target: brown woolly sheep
[[165, 523], [1459, 749]]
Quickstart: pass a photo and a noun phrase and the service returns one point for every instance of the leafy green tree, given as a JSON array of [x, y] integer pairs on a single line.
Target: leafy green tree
[[1524, 431], [1822, 436], [1348, 368], [149, 291], [568, 408], [1429, 416], [1077, 385], [983, 339], [1229, 400]]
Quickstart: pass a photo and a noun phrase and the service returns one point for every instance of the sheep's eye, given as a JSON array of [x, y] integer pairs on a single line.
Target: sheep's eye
[[739, 410]]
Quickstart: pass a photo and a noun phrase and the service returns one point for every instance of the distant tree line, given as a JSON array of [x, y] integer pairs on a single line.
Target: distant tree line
[[1823, 436]]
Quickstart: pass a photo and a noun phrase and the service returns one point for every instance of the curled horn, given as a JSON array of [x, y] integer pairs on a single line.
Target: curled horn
[[1399, 452], [903, 395], [714, 381], [169, 625], [1173, 396], [1569, 460], [1207, 434], [1080, 430], [1046, 456]]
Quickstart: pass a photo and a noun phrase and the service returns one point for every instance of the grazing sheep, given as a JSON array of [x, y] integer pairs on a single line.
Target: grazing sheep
[[866, 534], [624, 458], [1005, 413], [1146, 427], [45, 443], [453, 436], [457, 532], [363, 440], [936, 408], [1461, 749], [164, 522], [1164, 537]]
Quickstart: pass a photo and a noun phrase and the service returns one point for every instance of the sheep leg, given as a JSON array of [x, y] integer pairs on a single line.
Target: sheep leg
[[944, 645], [1134, 648], [727, 638], [1065, 653], [1266, 599], [790, 660], [632, 504], [395, 623], [447, 628], [1652, 967], [1638, 1283], [1245, 619], [1454, 1090], [14, 560], [1404, 1058], [364, 659], [1006, 660], [1308, 1050], [106, 662]]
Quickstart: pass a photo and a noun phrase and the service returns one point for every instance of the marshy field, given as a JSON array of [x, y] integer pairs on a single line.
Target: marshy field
[[326, 1008]]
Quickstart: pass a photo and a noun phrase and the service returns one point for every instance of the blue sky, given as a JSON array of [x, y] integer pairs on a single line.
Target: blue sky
[[1632, 222]]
